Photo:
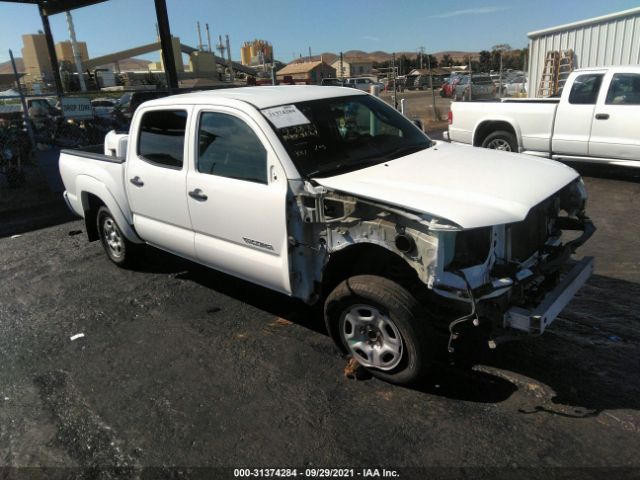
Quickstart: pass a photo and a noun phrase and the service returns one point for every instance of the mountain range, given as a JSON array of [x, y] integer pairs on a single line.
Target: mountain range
[[328, 57]]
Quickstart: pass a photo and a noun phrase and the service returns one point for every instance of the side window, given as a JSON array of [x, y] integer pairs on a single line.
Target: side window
[[228, 147], [624, 89], [585, 89], [161, 138]]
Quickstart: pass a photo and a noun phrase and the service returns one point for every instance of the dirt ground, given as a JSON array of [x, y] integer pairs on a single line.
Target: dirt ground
[[195, 371]]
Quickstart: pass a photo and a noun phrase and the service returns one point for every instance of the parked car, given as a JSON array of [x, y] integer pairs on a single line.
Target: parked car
[[330, 195], [399, 83], [595, 119], [474, 87], [361, 83], [421, 82], [516, 86], [449, 86], [333, 82], [130, 101], [103, 107]]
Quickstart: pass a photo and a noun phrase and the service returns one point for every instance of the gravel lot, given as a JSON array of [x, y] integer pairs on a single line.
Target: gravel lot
[[181, 366]]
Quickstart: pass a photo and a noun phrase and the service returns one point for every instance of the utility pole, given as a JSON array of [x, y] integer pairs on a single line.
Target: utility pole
[[433, 93], [341, 67], [501, 48], [208, 36], [200, 44], [25, 109], [393, 73], [422, 50], [76, 52], [470, 79], [231, 74]]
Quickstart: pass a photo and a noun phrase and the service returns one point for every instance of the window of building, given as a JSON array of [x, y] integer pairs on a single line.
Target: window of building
[[585, 89], [228, 147], [624, 89], [161, 138]]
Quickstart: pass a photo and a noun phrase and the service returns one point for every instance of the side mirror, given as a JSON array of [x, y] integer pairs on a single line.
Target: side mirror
[[418, 123]]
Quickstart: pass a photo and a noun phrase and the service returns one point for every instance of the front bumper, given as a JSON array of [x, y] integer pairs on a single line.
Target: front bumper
[[535, 321]]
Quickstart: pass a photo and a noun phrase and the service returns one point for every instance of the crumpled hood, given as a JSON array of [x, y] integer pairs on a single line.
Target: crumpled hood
[[472, 187]]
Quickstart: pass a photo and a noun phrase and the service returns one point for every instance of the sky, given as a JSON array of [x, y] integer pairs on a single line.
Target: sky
[[292, 26]]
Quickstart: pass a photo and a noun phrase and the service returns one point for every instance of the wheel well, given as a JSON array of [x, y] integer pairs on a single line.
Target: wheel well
[[487, 128], [369, 259], [92, 204]]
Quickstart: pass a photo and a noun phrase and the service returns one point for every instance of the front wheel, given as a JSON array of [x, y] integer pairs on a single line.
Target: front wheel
[[501, 140], [119, 250], [381, 325]]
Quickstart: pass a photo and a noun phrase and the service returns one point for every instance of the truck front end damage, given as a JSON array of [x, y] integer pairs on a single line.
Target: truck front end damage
[[509, 279], [518, 277]]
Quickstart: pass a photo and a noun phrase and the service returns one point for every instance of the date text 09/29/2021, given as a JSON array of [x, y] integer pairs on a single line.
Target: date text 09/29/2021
[[315, 473]]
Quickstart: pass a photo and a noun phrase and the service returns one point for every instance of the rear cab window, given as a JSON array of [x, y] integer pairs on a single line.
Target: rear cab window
[[161, 137], [585, 89]]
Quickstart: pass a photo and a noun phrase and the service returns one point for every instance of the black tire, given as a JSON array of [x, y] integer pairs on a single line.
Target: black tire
[[501, 137], [399, 307], [119, 250]]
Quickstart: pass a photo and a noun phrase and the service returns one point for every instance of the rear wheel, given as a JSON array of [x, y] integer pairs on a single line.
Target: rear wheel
[[382, 326], [501, 140], [119, 250]]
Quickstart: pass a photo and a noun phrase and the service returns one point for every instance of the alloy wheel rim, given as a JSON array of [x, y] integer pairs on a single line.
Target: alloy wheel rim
[[499, 144], [371, 337], [112, 238]]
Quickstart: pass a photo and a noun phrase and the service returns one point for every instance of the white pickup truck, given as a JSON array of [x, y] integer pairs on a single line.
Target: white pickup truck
[[595, 119], [328, 194]]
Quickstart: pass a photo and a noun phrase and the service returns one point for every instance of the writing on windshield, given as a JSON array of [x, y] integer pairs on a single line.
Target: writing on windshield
[[343, 134]]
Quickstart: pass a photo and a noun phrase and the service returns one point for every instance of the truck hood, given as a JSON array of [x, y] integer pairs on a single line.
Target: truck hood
[[471, 187]]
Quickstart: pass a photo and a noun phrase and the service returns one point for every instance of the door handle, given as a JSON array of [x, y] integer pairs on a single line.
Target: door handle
[[136, 181], [198, 195], [602, 116]]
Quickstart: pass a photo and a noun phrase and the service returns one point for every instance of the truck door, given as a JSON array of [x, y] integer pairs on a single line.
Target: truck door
[[156, 178], [574, 115], [237, 194], [615, 126]]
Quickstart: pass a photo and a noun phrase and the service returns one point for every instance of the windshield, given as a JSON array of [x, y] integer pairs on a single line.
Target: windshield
[[337, 135]]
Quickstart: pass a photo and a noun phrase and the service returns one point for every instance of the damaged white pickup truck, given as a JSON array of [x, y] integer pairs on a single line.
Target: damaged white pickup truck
[[328, 194]]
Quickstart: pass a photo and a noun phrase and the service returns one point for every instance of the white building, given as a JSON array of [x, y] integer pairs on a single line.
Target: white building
[[353, 67], [612, 39]]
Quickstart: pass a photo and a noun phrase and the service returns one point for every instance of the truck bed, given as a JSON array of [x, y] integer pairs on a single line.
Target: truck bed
[[536, 114], [89, 167]]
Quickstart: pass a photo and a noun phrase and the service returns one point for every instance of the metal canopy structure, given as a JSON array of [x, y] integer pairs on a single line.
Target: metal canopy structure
[[52, 7]]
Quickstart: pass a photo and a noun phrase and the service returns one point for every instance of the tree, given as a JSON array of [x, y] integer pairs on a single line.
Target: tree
[[446, 61], [485, 61], [433, 61], [500, 50]]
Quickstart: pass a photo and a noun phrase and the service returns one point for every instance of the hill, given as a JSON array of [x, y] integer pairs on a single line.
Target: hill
[[380, 56]]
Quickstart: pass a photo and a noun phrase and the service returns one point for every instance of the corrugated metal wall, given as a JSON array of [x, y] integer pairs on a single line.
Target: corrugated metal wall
[[613, 40]]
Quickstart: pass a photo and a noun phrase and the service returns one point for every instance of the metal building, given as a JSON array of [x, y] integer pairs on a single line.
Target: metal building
[[612, 39]]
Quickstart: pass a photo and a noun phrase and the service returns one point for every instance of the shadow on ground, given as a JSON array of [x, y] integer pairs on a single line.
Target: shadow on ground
[[588, 359], [611, 172]]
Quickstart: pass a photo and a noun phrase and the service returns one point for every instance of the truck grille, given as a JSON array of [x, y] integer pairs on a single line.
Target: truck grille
[[528, 236]]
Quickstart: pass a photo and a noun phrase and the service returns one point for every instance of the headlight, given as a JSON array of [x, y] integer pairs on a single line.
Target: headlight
[[573, 198]]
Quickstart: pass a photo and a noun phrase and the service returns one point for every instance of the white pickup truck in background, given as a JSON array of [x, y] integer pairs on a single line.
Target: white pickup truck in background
[[596, 119], [329, 194]]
